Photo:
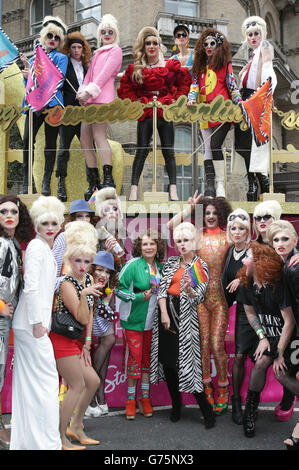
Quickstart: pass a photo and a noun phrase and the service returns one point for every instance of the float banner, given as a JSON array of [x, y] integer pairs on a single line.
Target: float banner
[[257, 112], [9, 53], [44, 79]]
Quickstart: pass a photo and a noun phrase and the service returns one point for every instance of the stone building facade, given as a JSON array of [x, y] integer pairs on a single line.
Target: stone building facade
[[21, 20]]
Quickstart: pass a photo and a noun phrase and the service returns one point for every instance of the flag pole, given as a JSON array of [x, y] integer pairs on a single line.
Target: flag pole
[[30, 158], [271, 156]]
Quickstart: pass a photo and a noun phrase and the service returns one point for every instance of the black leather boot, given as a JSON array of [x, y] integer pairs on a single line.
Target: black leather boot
[[237, 415], [264, 182], [250, 414], [252, 188], [61, 191], [173, 388], [210, 179], [94, 181], [206, 409], [46, 184], [108, 178]]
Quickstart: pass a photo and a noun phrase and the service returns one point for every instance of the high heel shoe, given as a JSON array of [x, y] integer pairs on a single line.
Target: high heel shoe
[[63, 447], [172, 192], [85, 441], [208, 389], [284, 415], [222, 402], [295, 445]]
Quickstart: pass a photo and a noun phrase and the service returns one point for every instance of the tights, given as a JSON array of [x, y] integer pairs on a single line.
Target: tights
[[238, 372], [100, 362], [259, 373], [144, 134]]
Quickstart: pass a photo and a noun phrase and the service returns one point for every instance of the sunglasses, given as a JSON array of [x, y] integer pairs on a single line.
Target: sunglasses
[[151, 43], [110, 32], [235, 216], [259, 218], [209, 44], [51, 36], [256, 33], [181, 35], [254, 23]]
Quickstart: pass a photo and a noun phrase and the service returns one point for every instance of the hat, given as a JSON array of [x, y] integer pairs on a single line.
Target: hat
[[79, 205], [179, 27], [104, 259]]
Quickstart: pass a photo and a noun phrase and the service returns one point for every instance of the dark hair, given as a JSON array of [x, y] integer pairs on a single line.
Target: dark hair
[[221, 56], [113, 281], [154, 235], [24, 231], [268, 265], [221, 205]]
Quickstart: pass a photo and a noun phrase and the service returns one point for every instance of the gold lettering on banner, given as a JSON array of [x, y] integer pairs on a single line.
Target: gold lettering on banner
[[9, 114]]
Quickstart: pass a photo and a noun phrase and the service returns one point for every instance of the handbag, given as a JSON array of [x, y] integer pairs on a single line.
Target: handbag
[[63, 322]]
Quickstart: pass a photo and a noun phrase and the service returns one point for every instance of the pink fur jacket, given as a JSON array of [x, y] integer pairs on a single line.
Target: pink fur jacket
[[98, 85]]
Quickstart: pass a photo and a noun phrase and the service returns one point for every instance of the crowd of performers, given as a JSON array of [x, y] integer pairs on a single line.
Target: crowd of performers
[[200, 74], [62, 299]]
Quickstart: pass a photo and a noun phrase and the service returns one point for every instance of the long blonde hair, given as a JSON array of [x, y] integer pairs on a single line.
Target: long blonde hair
[[139, 51]]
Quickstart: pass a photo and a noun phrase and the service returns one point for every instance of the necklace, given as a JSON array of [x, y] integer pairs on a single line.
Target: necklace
[[238, 254], [153, 65]]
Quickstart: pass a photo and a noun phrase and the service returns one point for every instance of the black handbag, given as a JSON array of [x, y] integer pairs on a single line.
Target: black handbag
[[63, 322]]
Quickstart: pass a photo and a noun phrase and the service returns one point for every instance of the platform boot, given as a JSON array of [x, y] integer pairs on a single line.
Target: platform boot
[[210, 179]]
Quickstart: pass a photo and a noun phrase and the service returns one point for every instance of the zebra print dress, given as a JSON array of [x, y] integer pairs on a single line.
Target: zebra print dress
[[189, 359]]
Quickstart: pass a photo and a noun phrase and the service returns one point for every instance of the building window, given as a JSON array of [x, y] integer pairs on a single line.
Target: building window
[[182, 7], [38, 10], [88, 9]]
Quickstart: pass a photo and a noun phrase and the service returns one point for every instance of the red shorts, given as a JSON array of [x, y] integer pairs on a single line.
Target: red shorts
[[64, 346], [136, 352]]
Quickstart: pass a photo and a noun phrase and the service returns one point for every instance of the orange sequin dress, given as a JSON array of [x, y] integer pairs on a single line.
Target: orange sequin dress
[[213, 313]]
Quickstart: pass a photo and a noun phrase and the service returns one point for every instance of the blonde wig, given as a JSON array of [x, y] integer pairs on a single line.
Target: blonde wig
[[185, 229], [271, 207], [81, 239], [108, 21], [254, 23], [243, 218], [47, 208], [55, 25], [281, 226], [140, 60], [104, 197]]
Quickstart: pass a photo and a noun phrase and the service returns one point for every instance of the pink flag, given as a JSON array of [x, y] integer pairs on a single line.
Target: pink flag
[[44, 79]]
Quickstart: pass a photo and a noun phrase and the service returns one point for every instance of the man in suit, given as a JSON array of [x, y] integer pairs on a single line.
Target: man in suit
[[79, 53]]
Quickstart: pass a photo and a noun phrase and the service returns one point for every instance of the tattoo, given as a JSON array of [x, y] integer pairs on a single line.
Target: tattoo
[[265, 43], [256, 324]]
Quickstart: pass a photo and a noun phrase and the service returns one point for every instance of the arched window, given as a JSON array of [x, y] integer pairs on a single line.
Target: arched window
[[38, 10], [182, 7], [87, 9]]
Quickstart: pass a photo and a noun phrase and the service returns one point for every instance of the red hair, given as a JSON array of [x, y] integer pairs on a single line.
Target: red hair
[[268, 265]]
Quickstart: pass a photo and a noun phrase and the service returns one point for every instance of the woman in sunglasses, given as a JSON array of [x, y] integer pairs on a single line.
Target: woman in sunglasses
[[213, 76], [284, 238], [98, 88], [181, 39], [268, 307], [176, 343], [52, 37], [150, 76], [252, 76], [238, 235]]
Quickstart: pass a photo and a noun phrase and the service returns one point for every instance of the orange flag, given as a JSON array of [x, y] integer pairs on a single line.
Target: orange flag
[[257, 112]]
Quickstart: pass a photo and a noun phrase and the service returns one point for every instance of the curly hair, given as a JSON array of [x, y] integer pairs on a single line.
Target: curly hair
[[154, 235], [221, 56], [221, 205], [86, 56], [268, 266], [138, 51], [113, 281], [24, 231]]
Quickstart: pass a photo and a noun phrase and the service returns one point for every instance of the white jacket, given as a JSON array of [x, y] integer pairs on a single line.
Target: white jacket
[[35, 303]]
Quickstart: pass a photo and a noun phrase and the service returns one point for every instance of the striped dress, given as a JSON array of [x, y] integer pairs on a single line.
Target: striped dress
[[189, 361]]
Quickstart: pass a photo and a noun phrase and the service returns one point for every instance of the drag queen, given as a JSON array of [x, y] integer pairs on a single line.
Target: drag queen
[[213, 76], [35, 387], [15, 224], [181, 38], [252, 76], [150, 76], [98, 88]]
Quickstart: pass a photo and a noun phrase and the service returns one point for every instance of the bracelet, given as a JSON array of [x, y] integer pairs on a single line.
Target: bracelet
[[86, 347], [88, 338], [186, 212], [261, 334], [2, 305]]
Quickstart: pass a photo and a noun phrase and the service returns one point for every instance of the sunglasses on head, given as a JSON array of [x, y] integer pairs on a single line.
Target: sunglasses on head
[[210, 44], [259, 218], [254, 23], [51, 36], [181, 35], [110, 32], [256, 33], [235, 216]]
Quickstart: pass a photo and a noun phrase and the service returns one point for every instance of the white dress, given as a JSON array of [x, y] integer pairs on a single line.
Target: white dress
[[35, 386]]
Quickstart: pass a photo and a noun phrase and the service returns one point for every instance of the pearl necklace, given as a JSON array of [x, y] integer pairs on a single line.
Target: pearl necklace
[[238, 254]]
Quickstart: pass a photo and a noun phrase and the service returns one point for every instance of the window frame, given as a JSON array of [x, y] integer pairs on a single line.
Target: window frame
[[37, 23], [98, 3], [191, 2]]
